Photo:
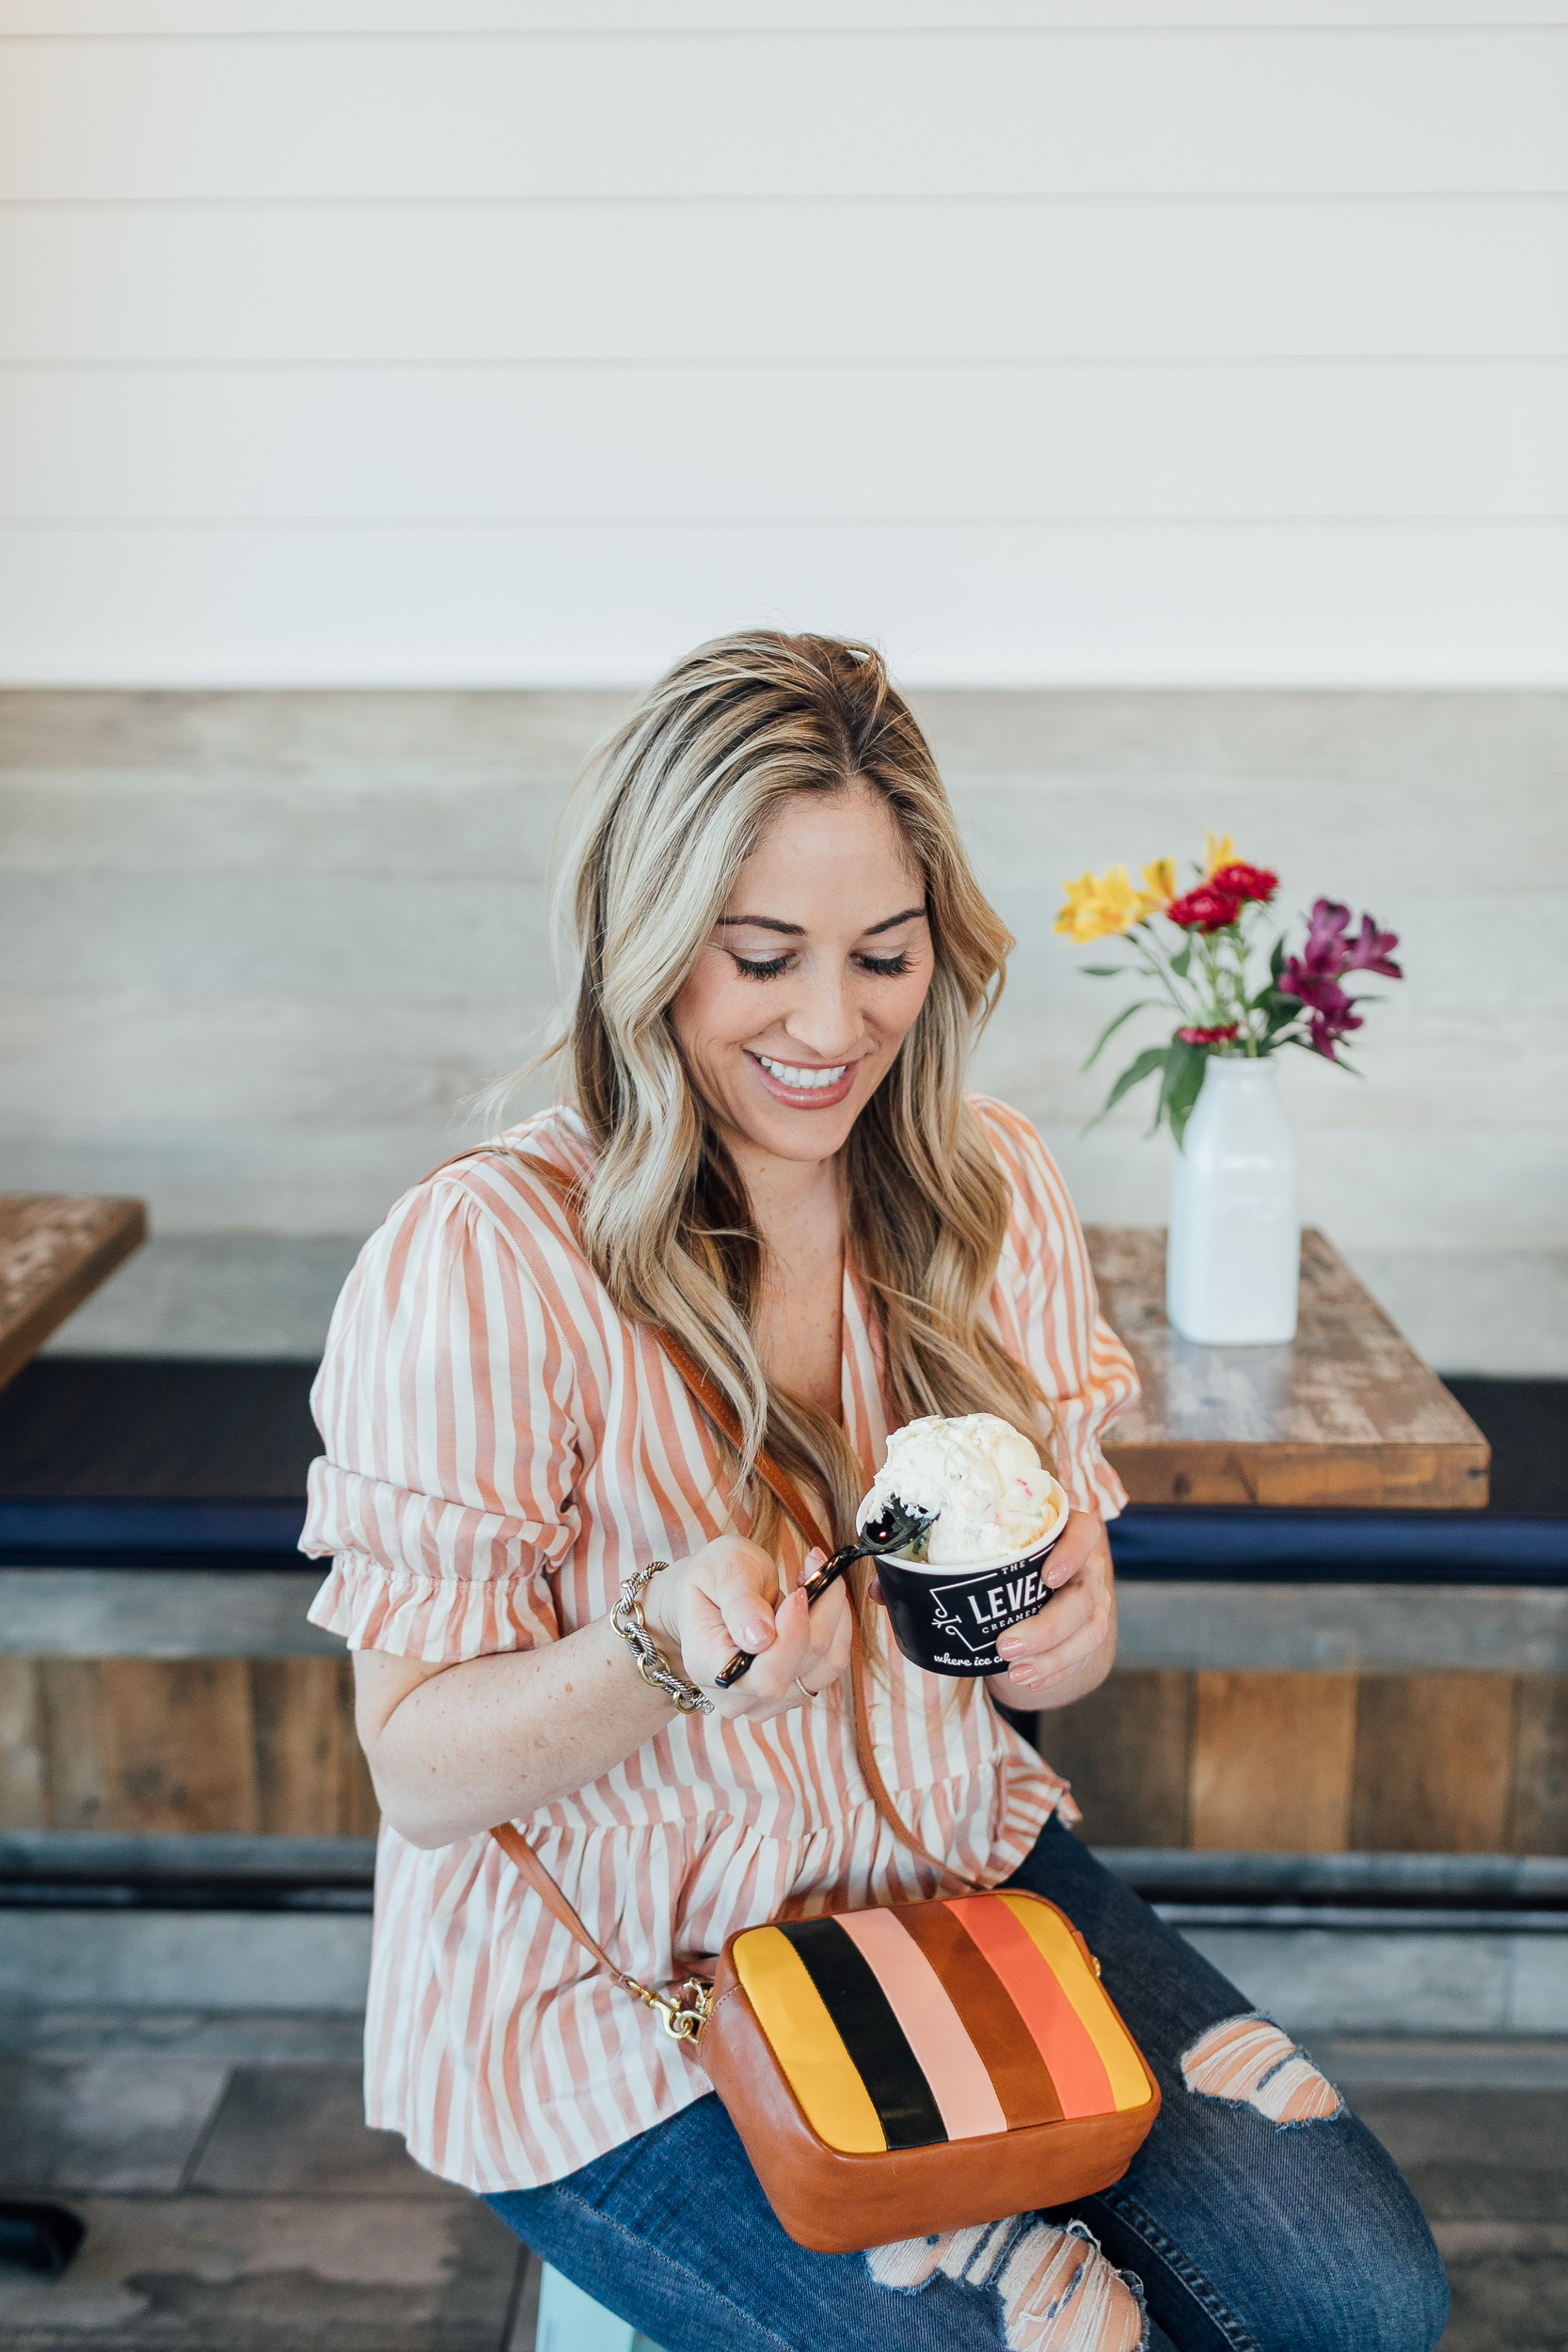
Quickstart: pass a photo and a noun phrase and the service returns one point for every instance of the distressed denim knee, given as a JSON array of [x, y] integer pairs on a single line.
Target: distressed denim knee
[[1055, 2290], [1377, 2278]]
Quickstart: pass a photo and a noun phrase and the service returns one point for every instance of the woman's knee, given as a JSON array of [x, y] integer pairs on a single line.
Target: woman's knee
[[1307, 2238]]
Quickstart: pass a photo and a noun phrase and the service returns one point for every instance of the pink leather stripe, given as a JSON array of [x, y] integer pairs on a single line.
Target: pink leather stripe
[[960, 2086]]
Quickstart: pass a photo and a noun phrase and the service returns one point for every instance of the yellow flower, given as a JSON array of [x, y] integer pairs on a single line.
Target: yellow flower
[[1158, 885], [1101, 906], [1217, 853]]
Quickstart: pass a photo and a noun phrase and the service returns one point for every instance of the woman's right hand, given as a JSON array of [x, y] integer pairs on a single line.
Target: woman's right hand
[[727, 1598]]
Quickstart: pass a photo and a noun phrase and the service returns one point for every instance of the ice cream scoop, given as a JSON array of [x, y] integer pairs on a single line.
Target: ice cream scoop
[[982, 1480]]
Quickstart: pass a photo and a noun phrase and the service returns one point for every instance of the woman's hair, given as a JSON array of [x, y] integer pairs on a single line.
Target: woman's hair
[[671, 806]]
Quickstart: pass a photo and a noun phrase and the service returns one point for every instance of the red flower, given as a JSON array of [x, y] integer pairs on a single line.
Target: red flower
[[1206, 909], [1210, 1037], [1245, 882]]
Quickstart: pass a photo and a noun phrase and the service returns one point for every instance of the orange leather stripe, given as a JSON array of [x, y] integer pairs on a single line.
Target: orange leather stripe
[[1050, 1934], [1019, 2074], [1059, 2033], [951, 2064]]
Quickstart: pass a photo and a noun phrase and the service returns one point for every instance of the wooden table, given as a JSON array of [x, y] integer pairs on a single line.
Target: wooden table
[[56, 1248], [1348, 1415]]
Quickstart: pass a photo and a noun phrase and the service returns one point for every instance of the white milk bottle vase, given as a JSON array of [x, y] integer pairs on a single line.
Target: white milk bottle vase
[[1234, 1257]]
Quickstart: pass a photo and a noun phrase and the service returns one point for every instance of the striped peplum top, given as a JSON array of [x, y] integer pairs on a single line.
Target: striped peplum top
[[501, 1449]]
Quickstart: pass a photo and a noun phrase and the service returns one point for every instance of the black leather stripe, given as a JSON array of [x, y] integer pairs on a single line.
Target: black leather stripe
[[872, 2035]]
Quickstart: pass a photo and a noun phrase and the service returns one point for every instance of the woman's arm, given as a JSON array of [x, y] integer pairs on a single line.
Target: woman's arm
[[453, 1748]]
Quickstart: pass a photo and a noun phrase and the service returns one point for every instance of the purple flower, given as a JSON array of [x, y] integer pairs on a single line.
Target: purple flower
[[1374, 951], [1333, 1013], [1330, 1023], [1326, 954], [1324, 951]]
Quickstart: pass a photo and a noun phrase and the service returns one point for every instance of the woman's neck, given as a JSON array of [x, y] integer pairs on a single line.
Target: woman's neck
[[797, 1209]]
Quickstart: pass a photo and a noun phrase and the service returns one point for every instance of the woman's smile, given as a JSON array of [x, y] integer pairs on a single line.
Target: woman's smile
[[804, 1086]]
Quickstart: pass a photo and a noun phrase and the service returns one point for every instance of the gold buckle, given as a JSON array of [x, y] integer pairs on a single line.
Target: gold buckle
[[684, 2013]]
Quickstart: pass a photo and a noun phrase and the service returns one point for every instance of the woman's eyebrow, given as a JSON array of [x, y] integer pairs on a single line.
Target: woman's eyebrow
[[797, 931]]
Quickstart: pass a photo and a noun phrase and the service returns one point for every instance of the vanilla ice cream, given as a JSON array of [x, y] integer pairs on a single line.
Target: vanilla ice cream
[[982, 1476]]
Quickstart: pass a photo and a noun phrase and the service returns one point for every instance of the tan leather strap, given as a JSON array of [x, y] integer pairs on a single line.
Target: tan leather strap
[[529, 1868], [722, 1414]]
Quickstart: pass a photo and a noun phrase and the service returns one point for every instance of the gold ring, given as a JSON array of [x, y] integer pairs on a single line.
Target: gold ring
[[804, 1693]]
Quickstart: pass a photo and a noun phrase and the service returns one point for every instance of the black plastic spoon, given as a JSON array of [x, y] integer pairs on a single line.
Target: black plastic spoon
[[897, 1526]]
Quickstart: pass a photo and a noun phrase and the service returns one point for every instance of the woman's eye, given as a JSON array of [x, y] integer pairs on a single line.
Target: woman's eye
[[887, 967], [769, 971]]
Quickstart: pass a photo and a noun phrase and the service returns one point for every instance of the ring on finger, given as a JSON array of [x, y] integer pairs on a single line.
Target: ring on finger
[[804, 1693]]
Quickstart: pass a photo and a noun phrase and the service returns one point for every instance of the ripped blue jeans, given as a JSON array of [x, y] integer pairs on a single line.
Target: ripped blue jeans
[[1258, 2215]]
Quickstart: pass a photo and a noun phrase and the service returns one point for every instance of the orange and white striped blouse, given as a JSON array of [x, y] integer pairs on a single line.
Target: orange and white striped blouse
[[502, 1447]]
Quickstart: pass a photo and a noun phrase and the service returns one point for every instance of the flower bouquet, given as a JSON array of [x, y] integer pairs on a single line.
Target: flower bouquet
[[1211, 975]]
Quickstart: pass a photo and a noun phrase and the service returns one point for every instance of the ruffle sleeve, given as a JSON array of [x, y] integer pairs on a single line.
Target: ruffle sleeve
[[1047, 1313], [444, 1495]]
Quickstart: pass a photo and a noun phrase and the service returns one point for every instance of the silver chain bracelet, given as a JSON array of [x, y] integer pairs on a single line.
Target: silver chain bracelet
[[652, 1665]]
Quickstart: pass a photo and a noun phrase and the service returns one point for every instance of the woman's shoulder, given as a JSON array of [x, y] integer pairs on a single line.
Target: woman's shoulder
[[1014, 1139], [519, 1182], [1039, 1196]]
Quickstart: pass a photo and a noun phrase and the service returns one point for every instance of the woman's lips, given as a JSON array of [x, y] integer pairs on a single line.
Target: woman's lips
[[819, 1093]]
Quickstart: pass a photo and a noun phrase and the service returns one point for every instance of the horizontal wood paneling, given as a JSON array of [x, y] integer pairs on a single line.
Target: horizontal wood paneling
[[1538, 1817], [1434, 1762], [1392, 1763], [980, 278], [1126, 1751], [225, 18], [198, 1744], [1149, 440], [1007, 113], [1271, 1761], [966, 604], [1440, 1763]]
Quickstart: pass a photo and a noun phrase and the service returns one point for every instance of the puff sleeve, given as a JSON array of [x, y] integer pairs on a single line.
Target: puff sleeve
[[445, 1493]]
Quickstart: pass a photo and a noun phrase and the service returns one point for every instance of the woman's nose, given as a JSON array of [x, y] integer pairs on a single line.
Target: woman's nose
[[824, 1019]]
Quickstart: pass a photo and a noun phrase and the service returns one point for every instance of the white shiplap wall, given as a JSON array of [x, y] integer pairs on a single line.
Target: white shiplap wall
[[396, 342]]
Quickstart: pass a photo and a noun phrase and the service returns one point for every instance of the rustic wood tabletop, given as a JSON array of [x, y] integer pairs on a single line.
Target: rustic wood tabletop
[[1347, 1416], [56, 1248]]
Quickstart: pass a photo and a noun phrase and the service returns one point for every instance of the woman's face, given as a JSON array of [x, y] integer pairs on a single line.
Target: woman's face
[[814, 974]]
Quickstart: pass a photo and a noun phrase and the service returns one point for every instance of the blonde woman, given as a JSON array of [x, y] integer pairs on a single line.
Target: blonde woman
[[783, 958]]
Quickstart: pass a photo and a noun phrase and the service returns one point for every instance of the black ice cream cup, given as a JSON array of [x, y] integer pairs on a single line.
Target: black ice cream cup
[[949, 1620]]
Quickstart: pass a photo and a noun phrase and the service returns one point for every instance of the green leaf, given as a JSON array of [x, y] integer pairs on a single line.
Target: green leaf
[[1277, 962], [1185, 1067], [1279, 1011], [1182, 959], [1112, 1026], [1148, 1061], [1106, 971]]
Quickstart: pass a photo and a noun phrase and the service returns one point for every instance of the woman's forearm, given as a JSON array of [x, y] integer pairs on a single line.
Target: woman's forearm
[[453, 1749]]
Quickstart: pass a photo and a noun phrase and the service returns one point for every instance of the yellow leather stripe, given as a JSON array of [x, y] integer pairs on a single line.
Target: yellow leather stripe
[[806, 2042], [1050, 1937]]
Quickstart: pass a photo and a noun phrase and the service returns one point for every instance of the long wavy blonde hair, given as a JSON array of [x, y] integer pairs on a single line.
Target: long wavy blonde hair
[[670, 808]]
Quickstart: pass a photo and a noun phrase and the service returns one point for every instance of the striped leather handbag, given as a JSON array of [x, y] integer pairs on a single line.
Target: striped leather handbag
[[909, 2067]]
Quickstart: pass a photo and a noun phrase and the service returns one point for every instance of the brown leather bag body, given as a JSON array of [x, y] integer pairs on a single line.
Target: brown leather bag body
[[906, 2068]]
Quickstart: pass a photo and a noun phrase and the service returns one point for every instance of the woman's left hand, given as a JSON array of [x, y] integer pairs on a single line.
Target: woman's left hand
[[1068, 1648]]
